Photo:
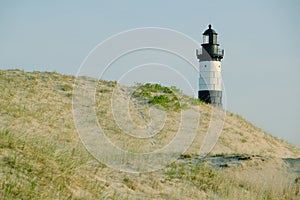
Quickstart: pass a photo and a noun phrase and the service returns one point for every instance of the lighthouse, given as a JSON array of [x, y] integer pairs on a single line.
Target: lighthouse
[[210, 79]]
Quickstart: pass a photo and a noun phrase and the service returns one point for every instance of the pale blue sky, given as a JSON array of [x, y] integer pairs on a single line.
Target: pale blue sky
[[261, 39]]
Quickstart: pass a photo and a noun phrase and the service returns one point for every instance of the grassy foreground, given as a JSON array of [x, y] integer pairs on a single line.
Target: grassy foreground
[[42, 157]]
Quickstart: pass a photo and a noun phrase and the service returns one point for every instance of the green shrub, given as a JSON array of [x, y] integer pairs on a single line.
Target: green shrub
[[244, 140], [156, 94], [65, 87], [195, 102], [160, 99]]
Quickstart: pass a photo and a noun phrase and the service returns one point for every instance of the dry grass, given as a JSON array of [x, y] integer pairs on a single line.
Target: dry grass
[[41, 156]]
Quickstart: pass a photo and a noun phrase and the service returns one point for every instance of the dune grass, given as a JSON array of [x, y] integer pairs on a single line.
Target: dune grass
[[42, 157]]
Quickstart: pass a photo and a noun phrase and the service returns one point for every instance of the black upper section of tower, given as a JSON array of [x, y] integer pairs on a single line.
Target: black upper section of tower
[[210, 47]]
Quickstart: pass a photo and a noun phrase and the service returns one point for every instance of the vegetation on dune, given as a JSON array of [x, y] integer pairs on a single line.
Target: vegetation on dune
[[32, 168], [156, 94], [42, 157]]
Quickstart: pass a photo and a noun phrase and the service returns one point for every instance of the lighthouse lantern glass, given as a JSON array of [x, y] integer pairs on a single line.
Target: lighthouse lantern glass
[[214, 39], [205, 39]]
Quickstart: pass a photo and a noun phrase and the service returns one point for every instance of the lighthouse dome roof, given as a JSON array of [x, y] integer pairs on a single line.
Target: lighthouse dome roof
[[209, 31]]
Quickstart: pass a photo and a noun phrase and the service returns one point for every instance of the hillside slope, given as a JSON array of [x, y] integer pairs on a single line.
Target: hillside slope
[[41, 155]]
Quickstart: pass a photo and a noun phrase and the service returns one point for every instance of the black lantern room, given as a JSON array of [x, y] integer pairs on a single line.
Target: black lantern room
[[210, 46]]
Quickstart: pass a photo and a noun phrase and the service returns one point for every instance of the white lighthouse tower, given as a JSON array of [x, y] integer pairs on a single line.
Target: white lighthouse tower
[[210, 80]]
